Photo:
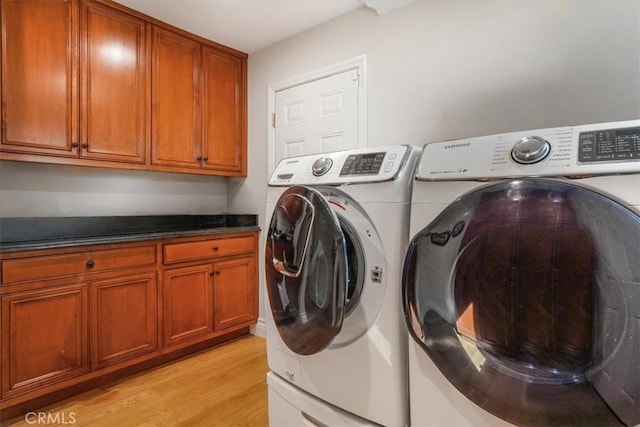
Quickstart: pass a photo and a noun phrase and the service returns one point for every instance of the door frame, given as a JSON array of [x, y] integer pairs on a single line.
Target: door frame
[[359, 64]]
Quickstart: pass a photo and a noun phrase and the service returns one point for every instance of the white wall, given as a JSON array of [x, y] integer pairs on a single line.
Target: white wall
[[30, 189], [441, 70]]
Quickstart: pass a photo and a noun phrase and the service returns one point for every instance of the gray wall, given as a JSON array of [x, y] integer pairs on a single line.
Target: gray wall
[[30, 189], [442, 70]]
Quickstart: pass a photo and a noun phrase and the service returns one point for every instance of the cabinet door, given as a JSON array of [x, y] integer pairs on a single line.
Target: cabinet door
[[124, 319], [176, 133], [223, 112], [39, 77], [188, 303], [113, 85], [44, 337], [234, 293]]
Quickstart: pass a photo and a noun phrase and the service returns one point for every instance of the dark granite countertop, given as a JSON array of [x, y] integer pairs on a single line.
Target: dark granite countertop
[[20, 234]]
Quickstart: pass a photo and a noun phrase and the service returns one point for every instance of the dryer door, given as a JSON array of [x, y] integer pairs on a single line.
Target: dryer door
[[305, 263], [526, 295]]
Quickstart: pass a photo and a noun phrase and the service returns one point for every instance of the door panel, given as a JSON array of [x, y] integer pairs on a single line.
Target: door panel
[[39, 77], [188, 303], [234, 293], [318, 116], [223, 111], [124, 319], [175, 90], [306, 271], [33, 353], [114, 102]]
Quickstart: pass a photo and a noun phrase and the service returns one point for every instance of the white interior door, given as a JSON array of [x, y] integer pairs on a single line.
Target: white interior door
[[318, 116]]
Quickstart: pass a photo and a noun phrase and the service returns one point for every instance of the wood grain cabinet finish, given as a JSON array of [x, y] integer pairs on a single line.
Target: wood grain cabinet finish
[[124, 318], [113, 85], [75, 315], [73, 82], [188, 302], [40, 77], [234, 292], [207, 87], [175, 92], [223, 112], [44, 337], [216, 293], [94, 83]]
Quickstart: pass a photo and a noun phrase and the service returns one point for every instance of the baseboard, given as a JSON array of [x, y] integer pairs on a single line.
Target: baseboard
[[260, 329]]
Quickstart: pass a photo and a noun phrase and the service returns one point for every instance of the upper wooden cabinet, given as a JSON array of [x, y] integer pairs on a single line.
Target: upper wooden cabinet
[[93, 83], [175, 92], [207, 87], [113, 120], [39, 77], [73, 93]]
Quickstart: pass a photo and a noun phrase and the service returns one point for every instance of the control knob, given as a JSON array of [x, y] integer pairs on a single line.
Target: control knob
[[321, 166], [531, 149]]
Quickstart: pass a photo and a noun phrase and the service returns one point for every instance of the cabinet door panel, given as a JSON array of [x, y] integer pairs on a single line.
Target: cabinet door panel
[[124, 319], [114, 105], [176, 134], [44, 337], [39, 77], [188, 305], [223, 111], [234, 294]]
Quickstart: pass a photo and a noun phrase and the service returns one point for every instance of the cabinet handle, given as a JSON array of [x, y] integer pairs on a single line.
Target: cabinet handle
[[205, 158], [85, 145], [216, 248], [217, 272], [74, 145], [90, 263], [199, 158]]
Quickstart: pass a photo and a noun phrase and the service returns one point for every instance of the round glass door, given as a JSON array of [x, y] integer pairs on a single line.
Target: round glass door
[[306, 270], [526, 296]]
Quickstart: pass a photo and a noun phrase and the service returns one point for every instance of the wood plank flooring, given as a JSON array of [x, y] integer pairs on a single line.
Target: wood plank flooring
[[223, 386]]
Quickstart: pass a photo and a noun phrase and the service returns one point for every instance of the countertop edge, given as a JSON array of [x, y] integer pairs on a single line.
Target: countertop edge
[[86, 241]]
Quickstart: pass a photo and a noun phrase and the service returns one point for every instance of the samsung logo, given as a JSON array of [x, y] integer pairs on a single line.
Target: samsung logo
[[459, 145]]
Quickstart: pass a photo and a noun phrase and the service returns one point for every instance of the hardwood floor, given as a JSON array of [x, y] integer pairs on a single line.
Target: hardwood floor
[[222, 386]]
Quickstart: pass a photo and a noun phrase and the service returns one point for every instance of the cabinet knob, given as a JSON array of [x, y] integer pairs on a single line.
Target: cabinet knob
[[216, 248], [85, 145], [217, 272], [205, 158], [90, 263], [74, 145], [199, 158]]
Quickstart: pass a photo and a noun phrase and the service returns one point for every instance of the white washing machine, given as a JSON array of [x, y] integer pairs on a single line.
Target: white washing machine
[[336, 342], [521, 283]]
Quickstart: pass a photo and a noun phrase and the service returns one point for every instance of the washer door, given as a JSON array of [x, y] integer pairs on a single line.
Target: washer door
[[526, 296], [306, 270]]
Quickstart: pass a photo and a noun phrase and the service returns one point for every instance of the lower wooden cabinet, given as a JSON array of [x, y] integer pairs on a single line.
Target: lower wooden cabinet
[[234, 292], [76, 316], [44, 337], [124, 319], [188, 303]]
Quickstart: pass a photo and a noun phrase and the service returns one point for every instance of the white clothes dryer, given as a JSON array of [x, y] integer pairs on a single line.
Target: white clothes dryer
[[333, 262], [521, 283]]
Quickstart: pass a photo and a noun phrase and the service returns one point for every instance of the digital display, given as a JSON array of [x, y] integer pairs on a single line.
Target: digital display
[[609, 145], [362, 164]]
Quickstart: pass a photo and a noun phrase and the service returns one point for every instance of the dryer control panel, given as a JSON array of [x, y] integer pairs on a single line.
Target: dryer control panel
[[607, 148], [365, 165]]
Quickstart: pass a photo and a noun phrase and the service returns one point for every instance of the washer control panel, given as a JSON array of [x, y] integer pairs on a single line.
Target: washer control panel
[[608, 148], [362, 165], [609, 145]]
